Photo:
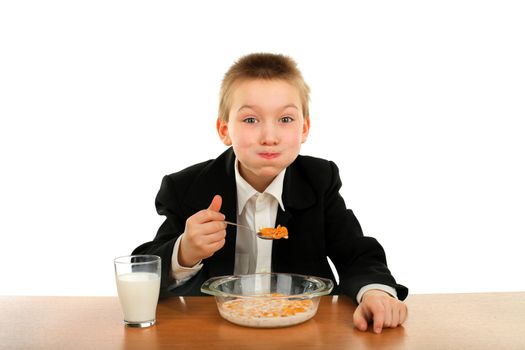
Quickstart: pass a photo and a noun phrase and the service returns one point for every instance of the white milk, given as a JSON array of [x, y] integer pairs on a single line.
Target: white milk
[[138, 294]]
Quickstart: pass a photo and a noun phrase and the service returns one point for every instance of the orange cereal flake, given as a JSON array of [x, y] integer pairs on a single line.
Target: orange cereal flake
[[274, 233]]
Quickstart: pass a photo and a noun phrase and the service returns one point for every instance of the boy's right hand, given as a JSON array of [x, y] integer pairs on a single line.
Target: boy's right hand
[[203, 235]]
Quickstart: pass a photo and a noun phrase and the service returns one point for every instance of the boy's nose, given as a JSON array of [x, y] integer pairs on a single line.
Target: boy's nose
[[269, 135]]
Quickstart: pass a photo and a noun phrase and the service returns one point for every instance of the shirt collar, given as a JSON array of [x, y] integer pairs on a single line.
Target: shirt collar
[[245, 191]]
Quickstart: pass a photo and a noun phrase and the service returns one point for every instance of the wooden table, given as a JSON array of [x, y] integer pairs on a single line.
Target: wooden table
[[447, 321]]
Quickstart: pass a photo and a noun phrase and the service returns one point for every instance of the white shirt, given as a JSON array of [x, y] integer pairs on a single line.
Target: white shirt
[[255, 210], [252, 255]]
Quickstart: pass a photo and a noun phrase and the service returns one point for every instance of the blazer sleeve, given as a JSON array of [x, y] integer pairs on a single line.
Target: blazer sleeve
[[359, 260], [168, 204]]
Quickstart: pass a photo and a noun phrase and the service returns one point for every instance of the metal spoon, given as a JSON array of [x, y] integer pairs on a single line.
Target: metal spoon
[[258, 234]]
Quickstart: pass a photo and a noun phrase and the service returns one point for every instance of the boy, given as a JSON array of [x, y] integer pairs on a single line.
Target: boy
[[262, 181]]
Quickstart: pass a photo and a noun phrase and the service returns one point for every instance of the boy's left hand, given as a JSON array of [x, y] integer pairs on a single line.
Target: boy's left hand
[[381, 308]]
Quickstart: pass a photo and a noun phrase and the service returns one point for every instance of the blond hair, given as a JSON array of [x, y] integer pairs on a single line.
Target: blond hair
[[265, 66]]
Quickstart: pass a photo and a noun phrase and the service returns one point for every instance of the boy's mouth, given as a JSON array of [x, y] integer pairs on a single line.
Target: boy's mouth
[[268, 155]]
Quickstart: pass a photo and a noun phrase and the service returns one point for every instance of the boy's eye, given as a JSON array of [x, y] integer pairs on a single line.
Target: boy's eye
[[250, 120], [286, 119]]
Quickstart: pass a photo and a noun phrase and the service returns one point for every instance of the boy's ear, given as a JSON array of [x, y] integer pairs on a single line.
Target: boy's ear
[[222, 130], [306, 129]]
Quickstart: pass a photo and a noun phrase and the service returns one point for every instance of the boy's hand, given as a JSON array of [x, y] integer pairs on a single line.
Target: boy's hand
[[203, 235], [381, 308]]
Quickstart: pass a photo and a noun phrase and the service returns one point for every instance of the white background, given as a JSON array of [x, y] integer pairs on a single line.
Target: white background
[[421, 104]]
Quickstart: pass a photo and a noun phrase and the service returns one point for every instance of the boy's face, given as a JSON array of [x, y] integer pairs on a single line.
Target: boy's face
[[266, 128]]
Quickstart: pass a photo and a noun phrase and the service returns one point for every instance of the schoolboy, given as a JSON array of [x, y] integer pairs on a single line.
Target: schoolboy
[[261, 181]]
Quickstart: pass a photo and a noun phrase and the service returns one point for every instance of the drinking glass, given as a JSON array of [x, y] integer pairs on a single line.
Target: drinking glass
[[138, 286]]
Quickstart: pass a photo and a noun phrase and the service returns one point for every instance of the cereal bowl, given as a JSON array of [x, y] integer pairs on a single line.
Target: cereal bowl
[[267, 300]]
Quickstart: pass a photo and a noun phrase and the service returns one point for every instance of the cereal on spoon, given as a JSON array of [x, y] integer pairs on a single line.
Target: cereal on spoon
[[274, 233]]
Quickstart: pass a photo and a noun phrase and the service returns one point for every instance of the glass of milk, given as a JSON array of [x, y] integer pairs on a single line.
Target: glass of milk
[[138, 286]]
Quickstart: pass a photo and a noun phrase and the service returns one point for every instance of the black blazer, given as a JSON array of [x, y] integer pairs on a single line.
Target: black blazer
[[316, 216]]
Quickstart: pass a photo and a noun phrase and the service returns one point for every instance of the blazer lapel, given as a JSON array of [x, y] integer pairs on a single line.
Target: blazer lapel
[[297, 192], [297, 195]]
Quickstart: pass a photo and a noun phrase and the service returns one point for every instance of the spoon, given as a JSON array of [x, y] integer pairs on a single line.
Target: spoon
[[258, 234]]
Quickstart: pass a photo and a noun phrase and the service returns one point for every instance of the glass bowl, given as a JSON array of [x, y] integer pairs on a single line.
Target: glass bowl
[[267, 300]]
